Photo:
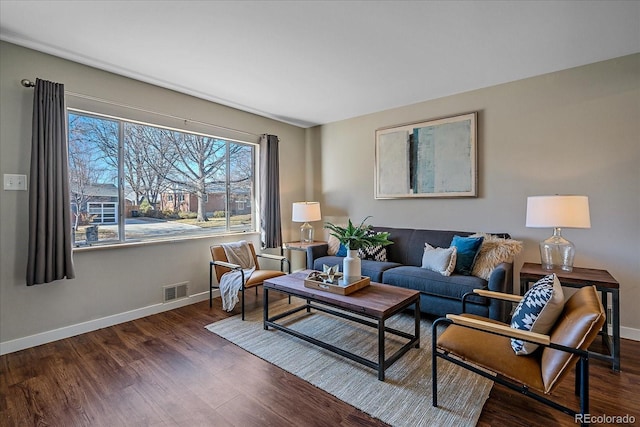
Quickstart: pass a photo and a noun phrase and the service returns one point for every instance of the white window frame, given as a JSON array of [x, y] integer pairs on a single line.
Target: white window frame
[[159, 124]]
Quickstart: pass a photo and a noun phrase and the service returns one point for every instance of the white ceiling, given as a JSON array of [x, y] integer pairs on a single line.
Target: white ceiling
[[315, 62]]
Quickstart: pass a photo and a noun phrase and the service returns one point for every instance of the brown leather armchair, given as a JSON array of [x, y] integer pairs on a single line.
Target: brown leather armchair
[[472, 341], [221, 265]]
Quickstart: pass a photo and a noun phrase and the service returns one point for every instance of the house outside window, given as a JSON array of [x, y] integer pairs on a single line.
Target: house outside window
[[135, 181]]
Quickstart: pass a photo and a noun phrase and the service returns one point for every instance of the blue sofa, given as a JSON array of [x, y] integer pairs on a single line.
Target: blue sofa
[[439, 294]]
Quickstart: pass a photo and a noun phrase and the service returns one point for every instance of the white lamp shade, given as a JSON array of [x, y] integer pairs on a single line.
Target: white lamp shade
[[306, 212], [558, 211]]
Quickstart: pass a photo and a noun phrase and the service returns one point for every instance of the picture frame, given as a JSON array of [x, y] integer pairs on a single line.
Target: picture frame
[[432, 158]]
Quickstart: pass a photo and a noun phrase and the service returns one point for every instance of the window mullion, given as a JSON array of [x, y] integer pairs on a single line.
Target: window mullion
[[228, 186], [121, 199]]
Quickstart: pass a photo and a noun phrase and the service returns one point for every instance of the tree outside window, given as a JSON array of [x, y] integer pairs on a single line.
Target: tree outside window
[[163, 182]]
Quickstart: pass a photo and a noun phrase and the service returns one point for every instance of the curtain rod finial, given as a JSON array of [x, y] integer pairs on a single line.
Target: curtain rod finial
[[27, 83]]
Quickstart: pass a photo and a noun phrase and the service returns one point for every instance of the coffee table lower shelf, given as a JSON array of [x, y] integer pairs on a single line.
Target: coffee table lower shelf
[[382, 363]]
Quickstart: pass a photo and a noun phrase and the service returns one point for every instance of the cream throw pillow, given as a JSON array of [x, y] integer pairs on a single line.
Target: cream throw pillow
[[441, 260], [493, 251], [334, 245]]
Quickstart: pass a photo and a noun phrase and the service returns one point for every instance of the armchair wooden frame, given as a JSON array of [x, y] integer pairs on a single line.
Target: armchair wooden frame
[[506, 379], [227, 266]]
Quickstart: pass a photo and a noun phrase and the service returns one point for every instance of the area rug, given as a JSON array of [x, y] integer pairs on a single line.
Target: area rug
[[403, 399]]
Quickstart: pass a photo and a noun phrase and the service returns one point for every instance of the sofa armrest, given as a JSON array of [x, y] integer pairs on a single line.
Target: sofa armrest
[[501, 280], [315, 252]]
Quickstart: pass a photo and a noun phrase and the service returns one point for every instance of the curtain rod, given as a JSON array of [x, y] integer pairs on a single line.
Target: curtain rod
[[29, 83]]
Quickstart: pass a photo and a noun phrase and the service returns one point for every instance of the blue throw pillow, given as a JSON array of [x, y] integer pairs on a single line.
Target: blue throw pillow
[[342, 251], [467, 251]]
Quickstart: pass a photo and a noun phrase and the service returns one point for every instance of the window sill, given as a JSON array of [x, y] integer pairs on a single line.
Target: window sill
[[151, 242]]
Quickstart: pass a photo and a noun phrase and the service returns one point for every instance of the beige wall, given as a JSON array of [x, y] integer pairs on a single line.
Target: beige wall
[[575, 131], [109, 281], [571, 132]]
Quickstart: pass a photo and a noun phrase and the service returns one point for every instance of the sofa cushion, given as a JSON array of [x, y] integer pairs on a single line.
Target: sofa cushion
[[371, 269], [327, 260], [468, 248], [440, 260], [432, 283], [400, 238], [408, 244], [537, 312], [375, 269]]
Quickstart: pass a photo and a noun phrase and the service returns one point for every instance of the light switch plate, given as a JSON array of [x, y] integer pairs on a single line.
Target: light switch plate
[[15, 182]]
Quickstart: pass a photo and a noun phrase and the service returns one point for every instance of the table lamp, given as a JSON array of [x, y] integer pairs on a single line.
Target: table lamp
[[306, 212], [558, 212]]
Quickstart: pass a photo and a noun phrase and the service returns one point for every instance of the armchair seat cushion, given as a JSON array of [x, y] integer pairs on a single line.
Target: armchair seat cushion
[[492, 352], [259, 276]]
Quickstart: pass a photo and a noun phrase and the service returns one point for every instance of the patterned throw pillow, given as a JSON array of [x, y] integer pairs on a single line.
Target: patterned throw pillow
[[538, 311], [440, 260], [376, 253]]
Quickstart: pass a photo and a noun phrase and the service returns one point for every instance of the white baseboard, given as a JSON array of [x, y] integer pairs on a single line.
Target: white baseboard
[[630, 333], [93, 325]]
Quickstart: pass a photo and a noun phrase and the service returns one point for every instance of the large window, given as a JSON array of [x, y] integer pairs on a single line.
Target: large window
[[131, 182]]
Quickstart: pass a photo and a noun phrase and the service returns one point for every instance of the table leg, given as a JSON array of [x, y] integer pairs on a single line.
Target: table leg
[[616, 329], [265, 307], [381, 350], [605, 327], [416, 314], [210, 285], [523, 286]]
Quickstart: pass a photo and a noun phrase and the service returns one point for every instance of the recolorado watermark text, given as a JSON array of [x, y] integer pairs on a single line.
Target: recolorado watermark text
[[605, 419]]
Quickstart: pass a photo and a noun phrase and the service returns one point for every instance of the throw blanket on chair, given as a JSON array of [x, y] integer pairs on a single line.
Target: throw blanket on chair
[[231, 282]]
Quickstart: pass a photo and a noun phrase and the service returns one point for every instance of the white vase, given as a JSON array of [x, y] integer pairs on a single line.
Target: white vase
[[351, 267]]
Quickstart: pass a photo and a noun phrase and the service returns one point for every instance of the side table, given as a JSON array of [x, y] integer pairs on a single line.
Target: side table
[[301, 246], [578, 278]]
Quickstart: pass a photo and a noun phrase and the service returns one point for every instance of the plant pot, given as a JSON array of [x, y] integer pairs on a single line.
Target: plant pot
[[352, 267], [91, 233]]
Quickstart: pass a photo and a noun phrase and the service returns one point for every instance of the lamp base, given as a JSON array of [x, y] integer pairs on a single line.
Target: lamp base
[[306, 233], [557, 252]]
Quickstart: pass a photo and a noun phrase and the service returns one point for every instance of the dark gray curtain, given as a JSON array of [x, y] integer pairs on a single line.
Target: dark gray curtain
[[49, 256], [270, 226]]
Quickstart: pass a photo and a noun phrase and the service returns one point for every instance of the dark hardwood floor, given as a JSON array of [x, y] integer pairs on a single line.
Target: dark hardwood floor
[[167, 370]]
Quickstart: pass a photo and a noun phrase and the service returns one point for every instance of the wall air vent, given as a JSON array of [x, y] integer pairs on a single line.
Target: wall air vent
[[175, 291]]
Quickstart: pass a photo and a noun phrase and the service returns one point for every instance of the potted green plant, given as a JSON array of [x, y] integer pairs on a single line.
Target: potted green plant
[[355, 238]]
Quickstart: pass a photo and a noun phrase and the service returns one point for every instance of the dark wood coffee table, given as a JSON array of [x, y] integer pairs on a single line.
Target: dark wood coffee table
[[377, 302]]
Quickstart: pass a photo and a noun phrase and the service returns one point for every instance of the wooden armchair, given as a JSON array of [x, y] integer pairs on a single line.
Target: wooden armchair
[[472, 341], [221, 265]]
